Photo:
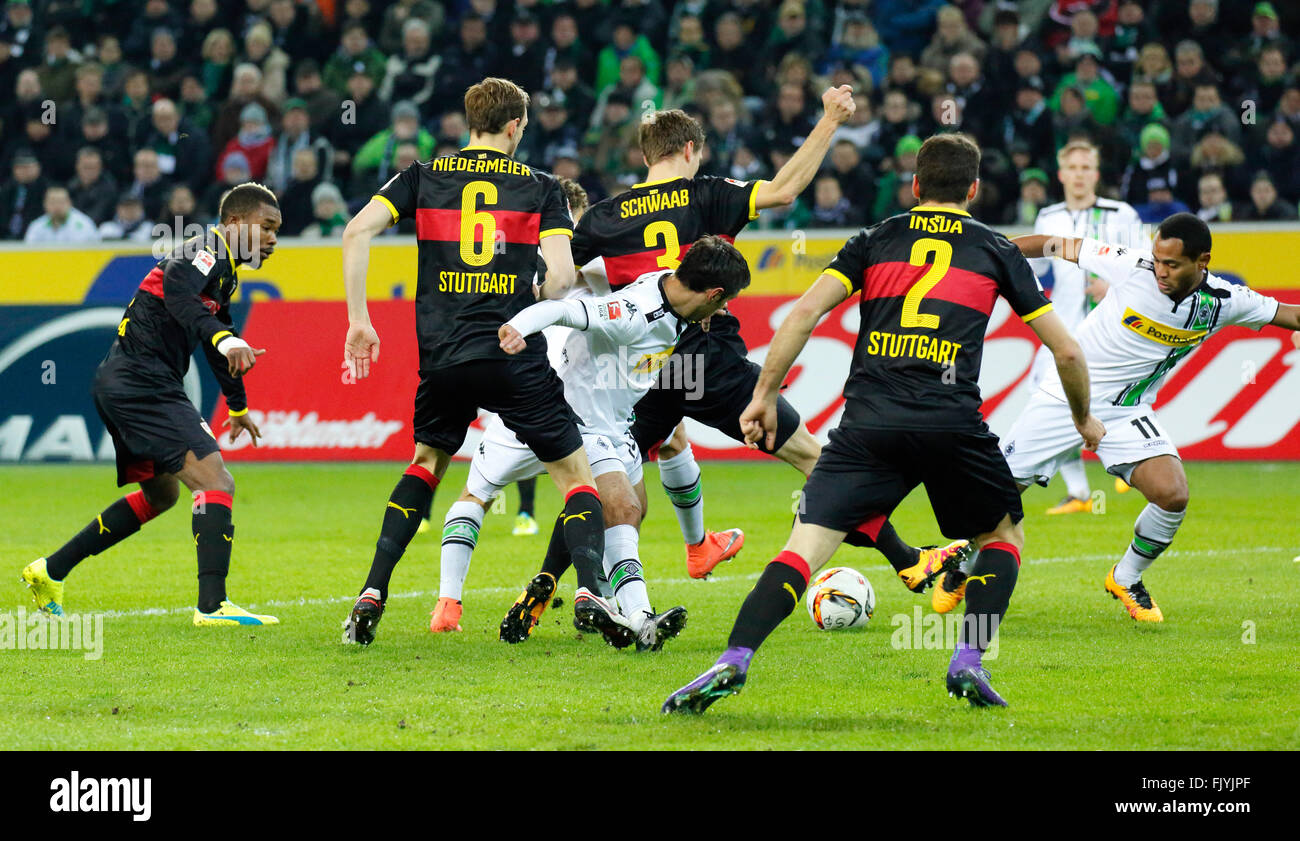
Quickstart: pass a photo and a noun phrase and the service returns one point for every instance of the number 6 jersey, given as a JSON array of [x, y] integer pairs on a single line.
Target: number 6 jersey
[[927, 281], [479, 218]]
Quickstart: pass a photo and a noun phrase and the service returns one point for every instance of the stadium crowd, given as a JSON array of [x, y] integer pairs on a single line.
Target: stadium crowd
[[120, 114]]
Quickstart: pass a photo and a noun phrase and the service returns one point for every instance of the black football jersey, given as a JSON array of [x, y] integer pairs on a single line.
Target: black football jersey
[[650, 226], [182, 303], [479, 218], [927, 281]]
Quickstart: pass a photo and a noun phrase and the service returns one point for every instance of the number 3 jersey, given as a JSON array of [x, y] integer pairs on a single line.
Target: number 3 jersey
[[479, 218], [927, 280], [1137, 334], [616, 350]]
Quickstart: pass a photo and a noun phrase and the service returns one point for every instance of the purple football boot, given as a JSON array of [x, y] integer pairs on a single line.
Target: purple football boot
[[725, 677]]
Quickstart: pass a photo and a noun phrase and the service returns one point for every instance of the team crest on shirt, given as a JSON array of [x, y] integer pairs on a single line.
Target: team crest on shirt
[[204, 261], [1161, 333], [734, 181]]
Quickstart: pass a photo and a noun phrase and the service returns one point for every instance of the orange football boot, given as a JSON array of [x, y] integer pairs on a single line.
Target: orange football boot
[[1136, 600], [717, 546], [446, 616]]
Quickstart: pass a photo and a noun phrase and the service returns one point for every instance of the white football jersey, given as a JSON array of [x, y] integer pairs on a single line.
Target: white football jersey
[[1137, 334], [1108, 221], [592, 280], [613, 356]]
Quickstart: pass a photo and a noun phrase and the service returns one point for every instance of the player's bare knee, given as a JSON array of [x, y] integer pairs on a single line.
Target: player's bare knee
[[1172, 498], [466, 496], [161, 495], [621, 511]]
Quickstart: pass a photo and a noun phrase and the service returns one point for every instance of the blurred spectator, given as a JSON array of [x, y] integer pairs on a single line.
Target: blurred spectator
[[295, 199], [578, 98], [464, 63], [862, 129], [165, 65], [183, 152], [1265, 30], [1213, 205], [1154, 163], [526, 51], [1143, 110], [906, 25], [355, 54], [234, 171], [59, 67], [128, 223], [1215, 153], [181, 211], [261, 52], [859, 47], [952, 36], [1000, 61], [1030, 121], [137, 104], [375, 162], [725, 135], [632, 83], [1270, 79], [323, 104], [35, 124], [1033, 196], [731, 53], [855, 178], [1265, 205], [245, 89], [691, 42], [254, 141], [92, 190], [363, 116], [411, 70], [1280, 158], [830, 207], [61, 222], [1132, 30], [979, 105], [1098, 94], [157, 15], [393, 32], [113, 150], [194, 106], [617, 133], [329, 212], [627, 42], [202, 17], [218, 67], [679, 82], [109, 53], [548, 131], [1153, 65], [896, 184], [1190, 72], [791, 36], [148, 184], [789, 123], [1205, 29], [21, 34], [1207, 114], [295, 136], [1160, 203], [21, 197], [898, 119], [89, 94]]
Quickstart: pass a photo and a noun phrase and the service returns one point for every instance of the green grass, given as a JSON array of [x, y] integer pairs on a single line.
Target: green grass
[[1078, 672]]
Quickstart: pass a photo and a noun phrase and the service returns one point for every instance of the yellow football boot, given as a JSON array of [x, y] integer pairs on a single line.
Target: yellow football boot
[[948, 592], [231, 614], [1136, 600], [932, 562], [46, 592], [1071, 505]]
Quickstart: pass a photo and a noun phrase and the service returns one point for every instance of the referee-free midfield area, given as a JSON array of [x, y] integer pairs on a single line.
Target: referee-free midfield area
[[1218, 673]]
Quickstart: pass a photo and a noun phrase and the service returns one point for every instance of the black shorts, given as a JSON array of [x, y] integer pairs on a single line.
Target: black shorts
[[864, 472], [709, 378], [151, 420], [525, 392]]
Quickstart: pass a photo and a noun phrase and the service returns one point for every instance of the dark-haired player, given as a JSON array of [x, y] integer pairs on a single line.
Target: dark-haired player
[[927, 281], [480, 216], [159, 436], [649, 228], [1162, 304]]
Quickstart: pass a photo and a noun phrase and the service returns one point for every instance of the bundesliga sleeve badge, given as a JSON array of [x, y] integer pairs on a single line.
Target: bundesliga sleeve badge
[[204, 261]]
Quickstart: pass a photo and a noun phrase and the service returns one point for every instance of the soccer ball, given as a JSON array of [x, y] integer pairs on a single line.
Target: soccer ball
[[840, 598]]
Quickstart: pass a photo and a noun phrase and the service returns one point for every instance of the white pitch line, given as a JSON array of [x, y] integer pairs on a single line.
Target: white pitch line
[[417, 594]]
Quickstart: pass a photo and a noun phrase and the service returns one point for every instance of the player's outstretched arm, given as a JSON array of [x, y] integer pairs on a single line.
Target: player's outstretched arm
[[362, 344], [798, 172], [759, 418], [1073, 369], [1288, 316], [557, 251], [1042, 245]]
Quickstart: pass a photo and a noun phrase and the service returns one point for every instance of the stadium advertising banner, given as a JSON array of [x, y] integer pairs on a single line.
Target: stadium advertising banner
[[1233, 399]]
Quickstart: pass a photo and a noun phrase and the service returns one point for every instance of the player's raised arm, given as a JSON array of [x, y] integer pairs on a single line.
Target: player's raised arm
[[760, 418], [1042, 245], [1073, 369], [1288, 316], [560, 271], [362, 344], [798, 172]]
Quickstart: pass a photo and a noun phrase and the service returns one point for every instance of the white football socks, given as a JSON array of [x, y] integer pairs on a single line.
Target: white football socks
[[680, 476], [1152, 533], [623, 569], [1076, 479], [459, 536]]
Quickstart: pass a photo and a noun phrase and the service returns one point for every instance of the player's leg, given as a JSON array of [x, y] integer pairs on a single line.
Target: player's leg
[[460, 530], [525, 523], [1078, 493], [1164, 484], [213, 491], [855, 479], [989, 585], [123, 518]]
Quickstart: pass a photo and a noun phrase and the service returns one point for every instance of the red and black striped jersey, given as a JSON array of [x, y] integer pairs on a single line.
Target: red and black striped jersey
[[927, 281], [479, 218], [650, 226], [183, 303]]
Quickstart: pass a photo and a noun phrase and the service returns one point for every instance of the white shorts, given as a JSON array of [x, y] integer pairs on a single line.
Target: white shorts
[[1043, 438], [501, 460]]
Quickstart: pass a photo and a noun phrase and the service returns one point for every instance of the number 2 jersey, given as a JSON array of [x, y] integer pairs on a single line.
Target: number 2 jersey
[[479, 218], [927, 281], [1137, 334]]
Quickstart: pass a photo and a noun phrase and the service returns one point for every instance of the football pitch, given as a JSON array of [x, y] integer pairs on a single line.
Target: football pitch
[[1219, 673]]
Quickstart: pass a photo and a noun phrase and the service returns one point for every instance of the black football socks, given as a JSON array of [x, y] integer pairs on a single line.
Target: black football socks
[[118, 522], [214, 537], [411, 498]]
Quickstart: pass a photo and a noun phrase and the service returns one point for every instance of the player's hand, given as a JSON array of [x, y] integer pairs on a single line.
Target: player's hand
[[238, 424], [511, 341], [758, 422], [1092, 431], [838, 104], [1295, 340], [360, 349], [241, 360]]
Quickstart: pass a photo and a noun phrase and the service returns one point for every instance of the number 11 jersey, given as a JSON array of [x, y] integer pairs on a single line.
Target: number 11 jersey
[[927, 280], [479, 218]]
